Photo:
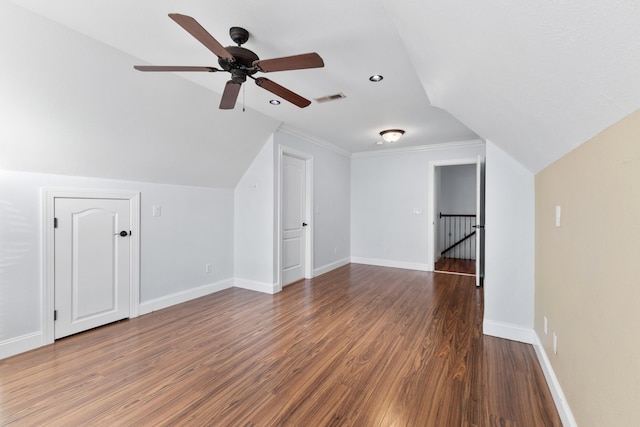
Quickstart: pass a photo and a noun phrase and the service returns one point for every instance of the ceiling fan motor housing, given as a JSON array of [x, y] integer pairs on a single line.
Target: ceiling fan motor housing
[[244, 59]]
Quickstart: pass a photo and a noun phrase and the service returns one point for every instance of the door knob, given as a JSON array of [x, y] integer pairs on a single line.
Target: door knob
[[123, 233], [304, 224]]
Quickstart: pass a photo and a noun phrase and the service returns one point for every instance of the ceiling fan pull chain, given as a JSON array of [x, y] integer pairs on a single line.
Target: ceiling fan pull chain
[[243, 93]]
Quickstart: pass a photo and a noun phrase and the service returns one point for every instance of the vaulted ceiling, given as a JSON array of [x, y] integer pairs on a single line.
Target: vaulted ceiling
[[535, 78]]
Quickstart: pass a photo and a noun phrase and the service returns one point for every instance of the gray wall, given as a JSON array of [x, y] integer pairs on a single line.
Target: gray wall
[[195, 228], [458, 189], [386, 191]]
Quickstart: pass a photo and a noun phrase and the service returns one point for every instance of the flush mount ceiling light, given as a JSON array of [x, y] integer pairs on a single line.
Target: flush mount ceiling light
[[376, 78], [274, 102], [392, 135]]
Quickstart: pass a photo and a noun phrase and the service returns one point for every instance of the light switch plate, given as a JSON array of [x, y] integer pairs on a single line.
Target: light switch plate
[[157, 210], [558, 212]]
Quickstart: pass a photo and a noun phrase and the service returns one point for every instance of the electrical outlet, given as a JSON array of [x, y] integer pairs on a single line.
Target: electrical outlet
[[546, 326], [207, 268], [555, 343]]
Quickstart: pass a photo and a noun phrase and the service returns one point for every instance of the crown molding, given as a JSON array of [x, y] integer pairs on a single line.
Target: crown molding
[[314, 140], [421, 148]]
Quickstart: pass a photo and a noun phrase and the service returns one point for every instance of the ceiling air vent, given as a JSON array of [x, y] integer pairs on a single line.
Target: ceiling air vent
[[331, 97]]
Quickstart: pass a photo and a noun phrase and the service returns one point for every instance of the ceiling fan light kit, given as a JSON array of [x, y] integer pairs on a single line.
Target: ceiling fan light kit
[[392, 135], [241, 63]]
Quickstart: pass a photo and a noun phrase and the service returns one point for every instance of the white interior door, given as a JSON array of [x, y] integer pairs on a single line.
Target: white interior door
[[294, 222], [92, 271], [479, 221]]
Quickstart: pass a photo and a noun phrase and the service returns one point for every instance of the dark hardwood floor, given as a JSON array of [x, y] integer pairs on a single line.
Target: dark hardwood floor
[[455, 265], [359, 346]]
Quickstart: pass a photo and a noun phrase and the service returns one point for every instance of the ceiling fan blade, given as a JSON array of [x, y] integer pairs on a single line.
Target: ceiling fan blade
[[295, 62], [173, 68], [230, 95], [196, 30], [282, 92]]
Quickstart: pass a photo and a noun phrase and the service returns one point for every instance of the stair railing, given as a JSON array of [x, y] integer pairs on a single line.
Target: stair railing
[[458, 235]]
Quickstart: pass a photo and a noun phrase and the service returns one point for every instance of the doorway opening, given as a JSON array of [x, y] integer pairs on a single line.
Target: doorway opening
[[456, 217]]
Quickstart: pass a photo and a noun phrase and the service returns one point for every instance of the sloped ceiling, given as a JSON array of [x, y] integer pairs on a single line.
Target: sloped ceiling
[[535, 78]]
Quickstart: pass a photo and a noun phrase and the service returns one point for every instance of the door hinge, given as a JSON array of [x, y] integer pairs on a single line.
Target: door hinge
[[55, 315], [55, 222]]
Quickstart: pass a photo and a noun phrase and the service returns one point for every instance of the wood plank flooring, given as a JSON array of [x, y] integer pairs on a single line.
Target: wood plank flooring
[[359, 346], [455, 265]]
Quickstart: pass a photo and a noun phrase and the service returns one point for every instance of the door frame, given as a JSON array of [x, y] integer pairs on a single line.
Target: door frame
[[432, 214], [480, 216], [308, 160], [48, 249]]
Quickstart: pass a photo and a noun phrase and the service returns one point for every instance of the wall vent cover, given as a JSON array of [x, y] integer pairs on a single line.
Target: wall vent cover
[[331, 97]]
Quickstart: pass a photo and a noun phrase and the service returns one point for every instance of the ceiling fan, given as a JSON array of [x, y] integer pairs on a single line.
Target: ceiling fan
[[241, 63]]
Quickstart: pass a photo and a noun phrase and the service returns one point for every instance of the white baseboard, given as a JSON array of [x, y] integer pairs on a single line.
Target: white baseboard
[[20, 344], [554, 385], [529, 336], [508, 331], [392, 263], [329, 267], [267, 288], [179, 297]]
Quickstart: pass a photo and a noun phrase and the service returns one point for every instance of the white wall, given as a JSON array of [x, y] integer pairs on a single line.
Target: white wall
[[195, 228], [73, 106], [332, 195], [458, 189], [386, 188], [509, 247], [385, 231], [256, 195], [254, 223]]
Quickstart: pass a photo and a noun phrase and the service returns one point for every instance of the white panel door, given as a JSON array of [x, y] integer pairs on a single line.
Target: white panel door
[[293, 219], [91, 263], [479, 221]]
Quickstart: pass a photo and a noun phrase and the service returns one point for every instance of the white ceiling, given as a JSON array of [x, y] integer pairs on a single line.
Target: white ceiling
[[536, 78], [354, 38]]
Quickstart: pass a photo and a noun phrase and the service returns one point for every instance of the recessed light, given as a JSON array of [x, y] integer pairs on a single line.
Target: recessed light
[[376, 78], [274, 102]]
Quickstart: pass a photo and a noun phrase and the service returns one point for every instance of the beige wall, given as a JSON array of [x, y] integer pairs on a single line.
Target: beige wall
[[588, 274]]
